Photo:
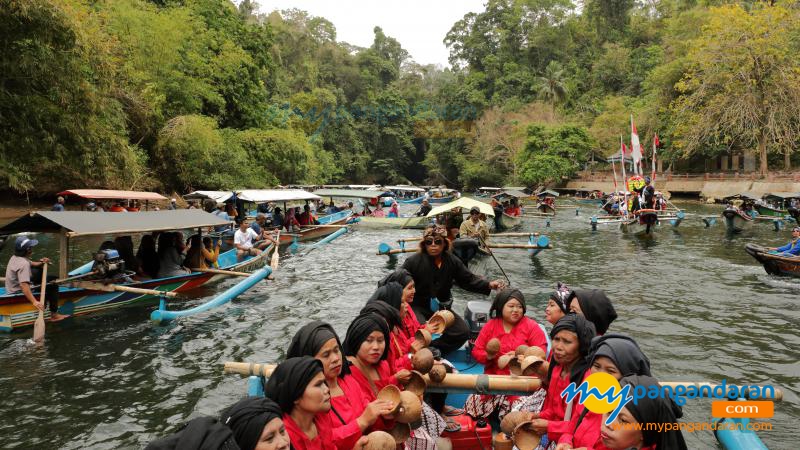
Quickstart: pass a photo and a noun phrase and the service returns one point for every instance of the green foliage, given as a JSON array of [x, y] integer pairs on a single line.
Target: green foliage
[[553, 153]]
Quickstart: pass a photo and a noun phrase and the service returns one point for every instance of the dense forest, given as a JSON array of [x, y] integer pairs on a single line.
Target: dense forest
[[191, 94]]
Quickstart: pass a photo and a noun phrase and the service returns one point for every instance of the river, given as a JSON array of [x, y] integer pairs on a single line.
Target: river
[[698, 305]]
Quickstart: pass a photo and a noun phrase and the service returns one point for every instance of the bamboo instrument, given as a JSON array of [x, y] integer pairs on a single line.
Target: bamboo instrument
[[116, 287], [232, 273]]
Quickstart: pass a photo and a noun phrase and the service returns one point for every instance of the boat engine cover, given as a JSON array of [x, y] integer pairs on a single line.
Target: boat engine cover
[[108, 263], [476, 315]]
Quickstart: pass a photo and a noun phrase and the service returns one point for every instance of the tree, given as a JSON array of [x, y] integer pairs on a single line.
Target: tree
[[742, 87], [551, 86]]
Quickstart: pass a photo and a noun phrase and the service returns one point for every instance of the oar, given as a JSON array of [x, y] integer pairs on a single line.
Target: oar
[[413, 239], [116, 287], [38, 326], [491, 253]]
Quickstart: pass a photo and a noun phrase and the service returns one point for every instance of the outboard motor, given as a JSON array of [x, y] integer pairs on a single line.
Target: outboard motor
[[476, 315], [108, 264]]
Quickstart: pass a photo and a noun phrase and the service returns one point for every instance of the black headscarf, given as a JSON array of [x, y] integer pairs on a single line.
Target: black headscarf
[[597, 308], [624, 351], [310, 338], [399, 276], [360, 328], [247, 419], [586, 332], [504, 297], [655, 410], [290, 379], [389, 313], [201, 433], [391, 293], [563, 295]]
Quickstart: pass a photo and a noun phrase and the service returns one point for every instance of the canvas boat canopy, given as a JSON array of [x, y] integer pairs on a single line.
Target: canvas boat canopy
[[546, 193], [490, 189], [217, 196], [404, 188], [748, 195], [511, 193], [465, 204], [363, 186], [102, 194], [782, 195], [83, 223], [350, 193], [275, 195], [514, 188]]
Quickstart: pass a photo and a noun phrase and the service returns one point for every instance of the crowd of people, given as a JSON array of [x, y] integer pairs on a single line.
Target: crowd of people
[[324, 395]]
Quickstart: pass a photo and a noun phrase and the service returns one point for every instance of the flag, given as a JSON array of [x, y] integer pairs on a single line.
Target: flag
[[655, 147], [636, 149]]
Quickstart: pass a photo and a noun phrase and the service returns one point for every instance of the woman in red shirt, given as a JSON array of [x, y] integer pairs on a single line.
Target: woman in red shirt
[[298, 386], [351, 415], [256, 424], [571, 338], [403, 301], [512, 328], [619, 356]]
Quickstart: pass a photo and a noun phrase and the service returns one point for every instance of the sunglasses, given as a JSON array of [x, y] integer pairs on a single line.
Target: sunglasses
[[474, 213], [434, 241]]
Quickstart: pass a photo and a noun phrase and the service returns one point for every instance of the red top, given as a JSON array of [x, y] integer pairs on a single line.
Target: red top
[[345, 410], [299, 440], [370, 390], [555, 408], [588, 432], [291, 221], [306, 218], [513, 211], [409, 326], [398, 352], [525, 332]]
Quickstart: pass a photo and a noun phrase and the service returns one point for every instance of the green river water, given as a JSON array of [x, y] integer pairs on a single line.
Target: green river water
[[699, 306]]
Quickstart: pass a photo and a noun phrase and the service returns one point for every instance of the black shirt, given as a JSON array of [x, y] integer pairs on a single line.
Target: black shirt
[[424, 210], [431, 281]]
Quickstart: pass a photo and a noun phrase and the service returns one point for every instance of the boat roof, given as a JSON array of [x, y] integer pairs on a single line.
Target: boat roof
[[84, 223], [489, 188], [218, 196], [548, 192], [782, 195], [751, 195], [514, 188], [95, 194], [349, 193], [442, 190], [275, 195], [362, 186], [404, 188], [511, 193], [586, 190], [464, 203]]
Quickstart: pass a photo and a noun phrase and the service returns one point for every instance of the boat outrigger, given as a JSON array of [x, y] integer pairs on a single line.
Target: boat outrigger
[[89, 288]]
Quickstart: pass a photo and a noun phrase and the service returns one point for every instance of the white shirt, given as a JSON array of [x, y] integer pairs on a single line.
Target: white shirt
[[244, 239]]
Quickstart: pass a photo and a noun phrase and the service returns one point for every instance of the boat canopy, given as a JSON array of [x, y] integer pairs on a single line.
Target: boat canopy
[[350, 193], [465, 204], [275, 195], [782, 195], [97, 194], [748, 195], [217, 196], [511, 193], [514, 188], [404, 188], [546, 193], [84, 223], [363, 186], [489, 188]]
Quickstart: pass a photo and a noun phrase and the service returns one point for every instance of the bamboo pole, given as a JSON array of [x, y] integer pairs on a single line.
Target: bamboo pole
[[473, 382], [323, 226], [516, 234], [395, 251], [116, 287], [232, 273]]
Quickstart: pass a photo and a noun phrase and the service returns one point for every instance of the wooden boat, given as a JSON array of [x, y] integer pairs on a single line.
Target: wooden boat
[[735, 219], [546, 208], [412, 222], [122, 197], [588, 197], [327, 225], [773, 262], [83, 294], [508, 222], [487, 191], [470, 379]]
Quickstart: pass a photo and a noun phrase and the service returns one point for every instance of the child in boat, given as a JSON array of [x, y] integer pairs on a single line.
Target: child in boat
[[351, 414], [657, 411], [511, 328], [619, 356], [256, 423], [298, 386]]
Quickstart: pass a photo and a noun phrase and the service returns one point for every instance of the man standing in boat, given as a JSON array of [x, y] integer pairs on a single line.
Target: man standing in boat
[[435, 269], [424, 209], [792, 249], [20, 271]]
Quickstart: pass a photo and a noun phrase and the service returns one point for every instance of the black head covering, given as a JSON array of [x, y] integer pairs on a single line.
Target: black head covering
[[247, 419], [655, 410], [597, 308], [624, 351], [309, 340], [290, 379], [391, 293], [504, 297], [389, 313], [360, 328], [202, 433], [399, 276], [585, 331], [563, 295]]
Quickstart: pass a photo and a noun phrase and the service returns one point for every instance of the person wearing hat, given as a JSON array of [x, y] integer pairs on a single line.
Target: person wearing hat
[[173, 204], [424, 209], [791, 249], [558, 303], [474, 227], [59, 206], [19, 274]]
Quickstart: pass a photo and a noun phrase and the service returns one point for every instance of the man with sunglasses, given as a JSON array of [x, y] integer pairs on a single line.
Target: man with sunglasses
[[435, 269]]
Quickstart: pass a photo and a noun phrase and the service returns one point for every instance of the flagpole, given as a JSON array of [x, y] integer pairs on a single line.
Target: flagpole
[[624, 178], [655, 146]]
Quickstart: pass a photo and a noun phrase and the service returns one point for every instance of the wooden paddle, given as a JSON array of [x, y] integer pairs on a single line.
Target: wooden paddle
[[38, 326]]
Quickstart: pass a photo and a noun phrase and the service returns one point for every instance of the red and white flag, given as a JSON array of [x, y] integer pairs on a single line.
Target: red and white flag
[[636, 149]]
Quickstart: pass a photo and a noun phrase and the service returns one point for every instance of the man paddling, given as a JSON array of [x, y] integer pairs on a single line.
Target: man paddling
[[474, 227], [19, 273], [791, 249]]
